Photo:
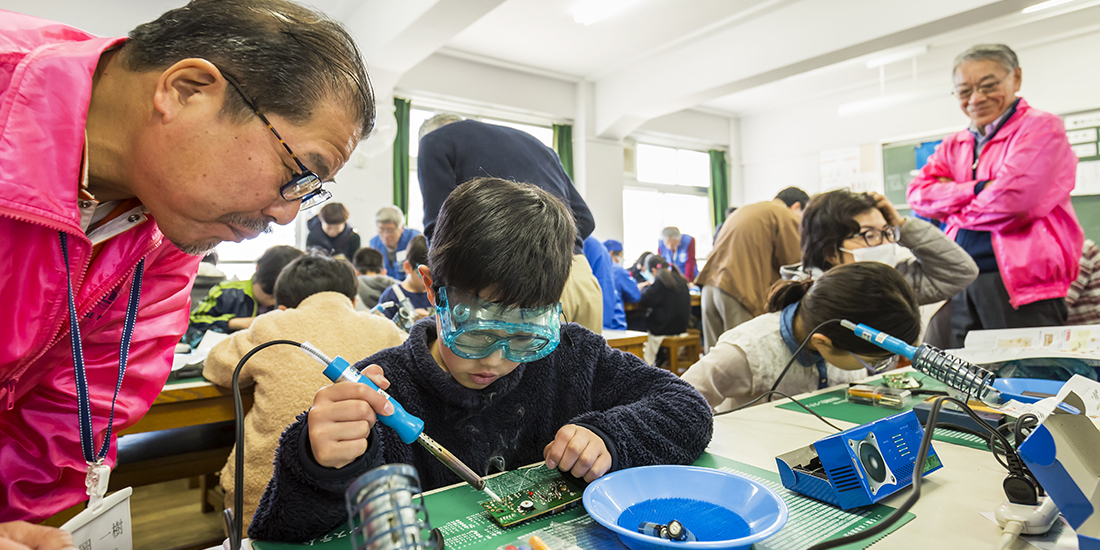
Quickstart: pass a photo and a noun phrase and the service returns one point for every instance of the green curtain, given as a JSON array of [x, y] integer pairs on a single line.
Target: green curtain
[[563, 144], [401, 155], [719, 192]]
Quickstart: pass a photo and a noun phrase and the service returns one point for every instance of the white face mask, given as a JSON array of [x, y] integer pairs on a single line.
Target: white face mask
[[886, 253]]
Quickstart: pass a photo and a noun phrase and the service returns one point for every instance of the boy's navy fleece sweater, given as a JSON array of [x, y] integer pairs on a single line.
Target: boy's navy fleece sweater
[[645, 415]]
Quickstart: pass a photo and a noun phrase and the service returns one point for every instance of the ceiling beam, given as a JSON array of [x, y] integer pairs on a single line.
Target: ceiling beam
[[396, 35], [688, 75]]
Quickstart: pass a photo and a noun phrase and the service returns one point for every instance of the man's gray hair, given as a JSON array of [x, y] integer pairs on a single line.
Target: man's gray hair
[[993, 52], [435, 123], [670, 232], [390, 214]]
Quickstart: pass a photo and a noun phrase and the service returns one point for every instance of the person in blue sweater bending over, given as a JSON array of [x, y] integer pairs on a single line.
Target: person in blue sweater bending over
[[496, 378], [454, 151]]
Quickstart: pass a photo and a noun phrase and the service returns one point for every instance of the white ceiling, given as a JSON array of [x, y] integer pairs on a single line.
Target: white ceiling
[[543, 34], [662, 56]]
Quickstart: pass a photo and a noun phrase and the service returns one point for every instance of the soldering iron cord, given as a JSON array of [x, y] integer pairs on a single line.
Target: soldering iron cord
[[918, 474], [235, 517]]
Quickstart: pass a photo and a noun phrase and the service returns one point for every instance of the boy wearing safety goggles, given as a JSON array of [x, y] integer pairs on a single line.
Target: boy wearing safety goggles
[[497, 379]]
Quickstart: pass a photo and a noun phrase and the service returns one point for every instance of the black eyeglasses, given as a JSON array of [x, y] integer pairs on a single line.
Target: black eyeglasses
[[985, 89], [875, 237], [305, 185]]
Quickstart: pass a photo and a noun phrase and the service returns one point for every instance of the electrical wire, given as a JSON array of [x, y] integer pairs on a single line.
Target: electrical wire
[[781, 394], [805, 341], [234, 518], [918, 475]]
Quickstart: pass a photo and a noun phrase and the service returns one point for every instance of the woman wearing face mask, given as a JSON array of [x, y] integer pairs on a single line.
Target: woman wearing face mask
[[841, 227]]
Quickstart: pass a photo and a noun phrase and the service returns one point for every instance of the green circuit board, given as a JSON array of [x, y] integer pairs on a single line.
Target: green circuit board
[[548, 495]]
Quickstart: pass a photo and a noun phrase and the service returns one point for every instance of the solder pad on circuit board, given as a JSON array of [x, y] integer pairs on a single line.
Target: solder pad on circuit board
[[546, 496]]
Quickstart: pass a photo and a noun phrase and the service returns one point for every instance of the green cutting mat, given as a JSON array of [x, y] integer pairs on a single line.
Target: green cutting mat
[[456, 512], [835, 405]]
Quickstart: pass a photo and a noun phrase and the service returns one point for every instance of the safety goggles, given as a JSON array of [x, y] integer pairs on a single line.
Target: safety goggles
[[474, 328], [878, 366]]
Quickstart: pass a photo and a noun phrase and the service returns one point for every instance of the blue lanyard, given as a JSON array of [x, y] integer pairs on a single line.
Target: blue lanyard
[[87, 442]]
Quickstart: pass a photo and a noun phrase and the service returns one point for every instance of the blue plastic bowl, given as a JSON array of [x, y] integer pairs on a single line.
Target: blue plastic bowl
[[1014, 388], [755, 509]]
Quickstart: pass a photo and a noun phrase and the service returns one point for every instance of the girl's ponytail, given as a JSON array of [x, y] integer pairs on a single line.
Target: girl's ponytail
[[785, 293]]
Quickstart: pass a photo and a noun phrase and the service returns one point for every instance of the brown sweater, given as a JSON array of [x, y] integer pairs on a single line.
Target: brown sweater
[[749, 250], [286, 378]]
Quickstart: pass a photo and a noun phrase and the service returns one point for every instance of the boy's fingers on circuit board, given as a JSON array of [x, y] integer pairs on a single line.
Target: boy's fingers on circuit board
[[602, 465], [571, 446]]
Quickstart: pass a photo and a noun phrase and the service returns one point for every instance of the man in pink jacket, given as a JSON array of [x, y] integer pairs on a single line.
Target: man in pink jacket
[[121, 162], [1002, 188]]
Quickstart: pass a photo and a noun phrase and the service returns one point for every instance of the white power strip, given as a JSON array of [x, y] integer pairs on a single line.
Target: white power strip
[[1021, 518]]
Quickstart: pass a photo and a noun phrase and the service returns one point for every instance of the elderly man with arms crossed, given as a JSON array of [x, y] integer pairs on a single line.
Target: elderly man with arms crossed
[[1002, 189]]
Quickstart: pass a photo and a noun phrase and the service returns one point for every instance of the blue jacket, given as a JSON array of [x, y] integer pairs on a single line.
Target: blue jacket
[[614, 316], [645, 416], [462, 151], [683, 257], [628, 287], [394, 269]]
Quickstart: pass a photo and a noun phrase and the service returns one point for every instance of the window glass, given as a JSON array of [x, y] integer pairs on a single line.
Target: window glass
[[541, 133], [647, 211], [238, 260], [670, 166], [650, 204]]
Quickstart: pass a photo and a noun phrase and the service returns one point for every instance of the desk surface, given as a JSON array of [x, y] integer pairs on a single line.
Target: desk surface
[[189, 403], [951, 498], [696, 299], [616, 338]]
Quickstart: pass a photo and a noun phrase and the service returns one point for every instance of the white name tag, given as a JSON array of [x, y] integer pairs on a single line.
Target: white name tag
[[105, 527]]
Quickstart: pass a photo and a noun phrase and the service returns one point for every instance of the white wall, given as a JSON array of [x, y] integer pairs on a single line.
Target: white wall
[[462, 80], [780, 147]]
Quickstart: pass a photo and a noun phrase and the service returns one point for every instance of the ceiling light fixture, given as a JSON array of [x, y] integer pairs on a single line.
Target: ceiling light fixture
[[1044, 5], [588, 12], [884, 102]]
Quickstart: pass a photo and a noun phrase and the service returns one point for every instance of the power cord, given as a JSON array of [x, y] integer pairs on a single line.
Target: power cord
[[801, 346], [781, 394], [234, 522], [918, 471]]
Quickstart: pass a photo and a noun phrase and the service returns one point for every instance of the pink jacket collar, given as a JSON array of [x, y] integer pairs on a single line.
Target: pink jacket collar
[[43, 138]]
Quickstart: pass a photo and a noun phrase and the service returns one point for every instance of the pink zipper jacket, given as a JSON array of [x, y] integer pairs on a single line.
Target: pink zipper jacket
[[1036, 237], [45, 87]]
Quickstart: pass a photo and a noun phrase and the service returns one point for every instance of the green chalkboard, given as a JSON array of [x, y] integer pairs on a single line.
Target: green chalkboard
[[1088, 213], [898, 161]]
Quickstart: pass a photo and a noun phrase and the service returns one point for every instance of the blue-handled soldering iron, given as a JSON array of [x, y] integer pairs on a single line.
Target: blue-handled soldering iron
[[966, 377], [408, 427]]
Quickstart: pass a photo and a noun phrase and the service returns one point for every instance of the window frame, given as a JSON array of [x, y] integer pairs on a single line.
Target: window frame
[[632, 182]]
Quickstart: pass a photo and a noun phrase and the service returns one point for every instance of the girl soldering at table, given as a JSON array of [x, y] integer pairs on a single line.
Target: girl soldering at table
[[748, 359]]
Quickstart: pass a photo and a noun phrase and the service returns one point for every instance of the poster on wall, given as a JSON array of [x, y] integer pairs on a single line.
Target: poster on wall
[[839, 168], [851, 168], [1083, 133]]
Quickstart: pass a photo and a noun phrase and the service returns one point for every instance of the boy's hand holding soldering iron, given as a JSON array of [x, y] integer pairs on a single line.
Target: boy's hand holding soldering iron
[[342, 417]]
